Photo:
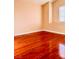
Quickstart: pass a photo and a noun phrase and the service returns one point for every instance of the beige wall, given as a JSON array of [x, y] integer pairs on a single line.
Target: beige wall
[[56, 25], [45, 15], [27, 16]]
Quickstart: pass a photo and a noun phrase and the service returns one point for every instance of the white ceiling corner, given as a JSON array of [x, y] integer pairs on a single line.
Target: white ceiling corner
[[41, 1]]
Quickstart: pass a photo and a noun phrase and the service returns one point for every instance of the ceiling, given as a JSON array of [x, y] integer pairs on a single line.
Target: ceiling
[[39, 2], [36, 1]]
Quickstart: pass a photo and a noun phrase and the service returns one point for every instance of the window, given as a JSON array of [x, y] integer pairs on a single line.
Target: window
[[62, 13]]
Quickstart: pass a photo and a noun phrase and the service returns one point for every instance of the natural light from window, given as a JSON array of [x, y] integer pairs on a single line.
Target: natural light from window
[[62, 13]]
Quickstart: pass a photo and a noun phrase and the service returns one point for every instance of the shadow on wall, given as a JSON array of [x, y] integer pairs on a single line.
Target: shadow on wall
[[56, 24]]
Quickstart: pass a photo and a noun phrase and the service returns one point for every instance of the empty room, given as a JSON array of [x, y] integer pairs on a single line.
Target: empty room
[[39, 29]]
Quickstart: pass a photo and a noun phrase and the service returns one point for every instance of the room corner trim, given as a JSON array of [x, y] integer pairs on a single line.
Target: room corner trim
[[54, 32]]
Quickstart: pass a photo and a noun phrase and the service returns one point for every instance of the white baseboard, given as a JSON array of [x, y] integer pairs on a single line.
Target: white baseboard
[[38, 31], [54, 32], [28, 32]]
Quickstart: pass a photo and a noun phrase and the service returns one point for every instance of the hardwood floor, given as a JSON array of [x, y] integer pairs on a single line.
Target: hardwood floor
[[39, 45]]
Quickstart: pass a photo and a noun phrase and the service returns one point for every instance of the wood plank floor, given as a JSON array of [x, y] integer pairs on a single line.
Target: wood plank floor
[[39, 45]]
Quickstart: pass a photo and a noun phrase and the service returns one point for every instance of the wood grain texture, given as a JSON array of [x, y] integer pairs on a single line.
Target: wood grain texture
[[39, 45]]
